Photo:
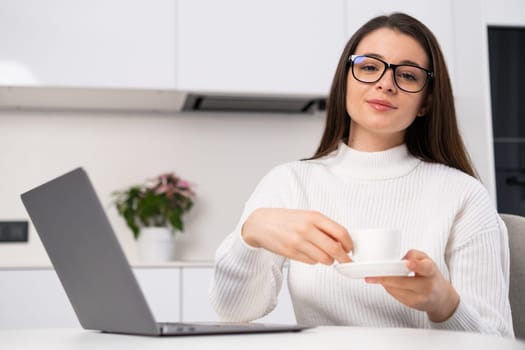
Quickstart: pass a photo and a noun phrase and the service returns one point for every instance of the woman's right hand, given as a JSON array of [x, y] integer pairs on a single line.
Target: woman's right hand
[[306, 236]]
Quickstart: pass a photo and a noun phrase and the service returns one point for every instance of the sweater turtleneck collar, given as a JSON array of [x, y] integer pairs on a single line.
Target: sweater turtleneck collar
[[392, 163]]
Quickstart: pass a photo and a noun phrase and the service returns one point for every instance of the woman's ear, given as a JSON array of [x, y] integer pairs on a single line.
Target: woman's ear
[[425, 107]]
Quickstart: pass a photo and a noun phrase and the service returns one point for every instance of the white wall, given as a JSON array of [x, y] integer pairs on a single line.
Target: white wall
[[472, 87], [224, 155]]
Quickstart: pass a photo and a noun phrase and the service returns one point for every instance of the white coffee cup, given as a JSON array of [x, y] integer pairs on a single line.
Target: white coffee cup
[[375, 244]]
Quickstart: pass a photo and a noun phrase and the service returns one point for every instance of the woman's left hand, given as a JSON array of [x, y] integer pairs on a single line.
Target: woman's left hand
[[427, 291]]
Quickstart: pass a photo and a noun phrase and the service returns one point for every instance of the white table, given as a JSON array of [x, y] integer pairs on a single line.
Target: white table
[[317, 338]]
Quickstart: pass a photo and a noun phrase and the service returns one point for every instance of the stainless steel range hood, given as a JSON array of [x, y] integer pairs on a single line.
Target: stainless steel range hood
[[161, 101]]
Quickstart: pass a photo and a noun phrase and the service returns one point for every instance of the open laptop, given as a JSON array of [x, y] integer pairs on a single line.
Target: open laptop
[[93, 269]]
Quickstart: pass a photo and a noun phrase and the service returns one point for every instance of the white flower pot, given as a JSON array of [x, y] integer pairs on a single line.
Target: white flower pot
[[155, 244]]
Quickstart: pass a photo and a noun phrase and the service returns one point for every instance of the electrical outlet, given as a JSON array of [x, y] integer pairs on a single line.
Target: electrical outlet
[[13, 231]]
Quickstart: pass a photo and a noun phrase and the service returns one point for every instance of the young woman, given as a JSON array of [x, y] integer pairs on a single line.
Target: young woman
[[391, 156]]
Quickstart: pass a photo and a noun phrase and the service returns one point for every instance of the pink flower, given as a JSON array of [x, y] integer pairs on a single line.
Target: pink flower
[[184, 184], [162, 189]]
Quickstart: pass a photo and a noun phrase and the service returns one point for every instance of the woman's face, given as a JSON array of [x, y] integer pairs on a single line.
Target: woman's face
[[380, 111]]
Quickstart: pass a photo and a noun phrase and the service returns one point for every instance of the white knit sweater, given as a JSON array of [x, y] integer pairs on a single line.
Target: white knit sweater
[[439, 210]]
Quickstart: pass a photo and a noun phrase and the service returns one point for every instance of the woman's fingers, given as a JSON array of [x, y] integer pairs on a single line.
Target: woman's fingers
[[336, 231], [420, 263], [332, 248], [312, 251], [304, 258]]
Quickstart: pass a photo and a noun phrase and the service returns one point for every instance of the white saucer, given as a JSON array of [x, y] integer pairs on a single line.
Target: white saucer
[[374, 269]]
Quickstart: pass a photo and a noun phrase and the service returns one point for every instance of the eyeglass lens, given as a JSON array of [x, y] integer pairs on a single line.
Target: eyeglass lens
[[370, 70]]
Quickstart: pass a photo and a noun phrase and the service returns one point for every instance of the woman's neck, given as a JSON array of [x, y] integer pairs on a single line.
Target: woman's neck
[[370, 141]]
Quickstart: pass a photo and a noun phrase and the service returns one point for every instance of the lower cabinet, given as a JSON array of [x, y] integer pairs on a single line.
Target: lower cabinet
[[34, 298], [161, 288]]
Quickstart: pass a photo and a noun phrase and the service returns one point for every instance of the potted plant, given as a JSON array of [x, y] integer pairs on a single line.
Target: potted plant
[[153, 211]]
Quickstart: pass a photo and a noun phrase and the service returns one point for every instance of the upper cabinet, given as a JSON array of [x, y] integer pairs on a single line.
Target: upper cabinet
[[258, 46], [437, 16], [99, 43]]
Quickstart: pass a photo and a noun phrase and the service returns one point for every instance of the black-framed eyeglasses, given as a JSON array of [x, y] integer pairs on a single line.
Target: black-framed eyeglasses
[[407, 77]]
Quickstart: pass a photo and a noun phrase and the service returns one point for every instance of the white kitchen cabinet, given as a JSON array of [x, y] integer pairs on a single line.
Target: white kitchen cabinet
[[162, 289], [505, 12], [438, 16], [34, 298], [196, 306], [258, 46], [100, 43]]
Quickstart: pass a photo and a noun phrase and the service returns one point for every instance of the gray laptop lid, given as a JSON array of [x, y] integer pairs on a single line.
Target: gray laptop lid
[[87, 257]]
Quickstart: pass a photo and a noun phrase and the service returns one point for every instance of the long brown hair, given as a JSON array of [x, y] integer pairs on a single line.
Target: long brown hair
[[433, 137]]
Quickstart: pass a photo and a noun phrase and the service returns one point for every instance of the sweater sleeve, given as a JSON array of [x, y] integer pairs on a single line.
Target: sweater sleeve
[[247, 280], [478, 260]]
